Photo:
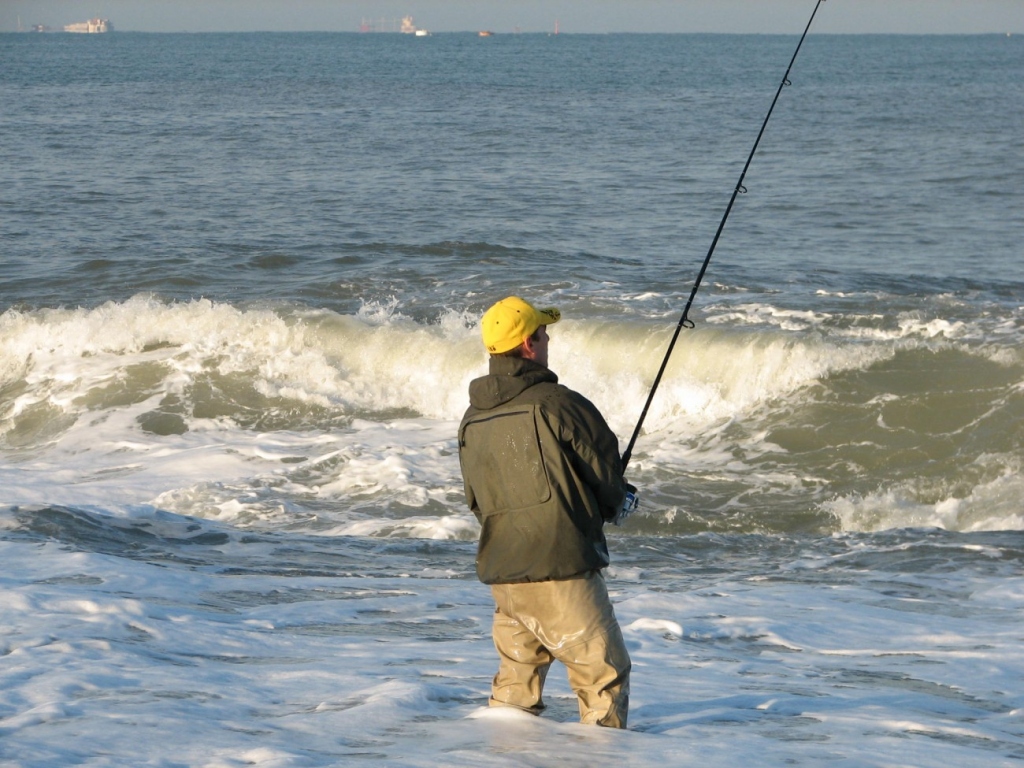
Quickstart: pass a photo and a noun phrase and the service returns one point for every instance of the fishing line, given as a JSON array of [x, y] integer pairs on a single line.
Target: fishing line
[[684, 320]]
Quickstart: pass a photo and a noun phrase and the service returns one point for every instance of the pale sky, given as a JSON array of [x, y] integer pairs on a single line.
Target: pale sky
[[740, 16]]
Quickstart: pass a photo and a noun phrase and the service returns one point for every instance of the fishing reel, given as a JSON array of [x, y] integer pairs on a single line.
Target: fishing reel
[[629, 505]]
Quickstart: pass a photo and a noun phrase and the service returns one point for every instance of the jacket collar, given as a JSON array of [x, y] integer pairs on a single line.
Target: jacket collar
[[508, 377]]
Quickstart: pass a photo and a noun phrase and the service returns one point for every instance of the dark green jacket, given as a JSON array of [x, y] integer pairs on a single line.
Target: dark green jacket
[[542, 473]]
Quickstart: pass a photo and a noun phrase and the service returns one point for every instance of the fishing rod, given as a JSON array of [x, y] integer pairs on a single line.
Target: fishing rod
[[684, 320]]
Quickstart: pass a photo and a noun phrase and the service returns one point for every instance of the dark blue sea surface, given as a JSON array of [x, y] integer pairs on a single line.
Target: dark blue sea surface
[[322, 168]]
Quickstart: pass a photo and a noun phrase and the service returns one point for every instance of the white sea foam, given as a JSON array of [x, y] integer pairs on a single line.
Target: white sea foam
[[374, 399], [712, 376], [990, 506], [380, 360], [332, 669]]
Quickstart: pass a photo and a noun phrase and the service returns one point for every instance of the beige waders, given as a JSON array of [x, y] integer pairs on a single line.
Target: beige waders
[[570, 620]]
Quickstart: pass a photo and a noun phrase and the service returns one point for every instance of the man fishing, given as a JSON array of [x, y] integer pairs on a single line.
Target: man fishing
[[543, 474]]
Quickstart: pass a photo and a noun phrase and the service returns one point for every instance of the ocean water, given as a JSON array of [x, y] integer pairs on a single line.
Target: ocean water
[[240, 277]]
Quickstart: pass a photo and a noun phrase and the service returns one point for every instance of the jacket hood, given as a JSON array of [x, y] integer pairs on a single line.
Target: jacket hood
[[508, 377]]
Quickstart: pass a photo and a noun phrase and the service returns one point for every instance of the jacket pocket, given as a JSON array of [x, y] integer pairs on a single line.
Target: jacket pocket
[[503, 461]]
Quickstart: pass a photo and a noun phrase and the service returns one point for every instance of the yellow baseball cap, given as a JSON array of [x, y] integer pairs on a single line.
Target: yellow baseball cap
[[509, 322]]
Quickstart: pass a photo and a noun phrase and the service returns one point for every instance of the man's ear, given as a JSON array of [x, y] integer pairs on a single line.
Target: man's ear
[[529, 349]]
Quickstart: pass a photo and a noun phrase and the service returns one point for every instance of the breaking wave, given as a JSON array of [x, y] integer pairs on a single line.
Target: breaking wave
[[766, 420]]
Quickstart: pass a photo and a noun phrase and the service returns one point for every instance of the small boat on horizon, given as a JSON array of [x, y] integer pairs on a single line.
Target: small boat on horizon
[[92, 26]]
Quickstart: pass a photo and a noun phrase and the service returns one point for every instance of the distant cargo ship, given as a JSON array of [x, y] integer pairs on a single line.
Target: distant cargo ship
[[407, 27], [90, 26]]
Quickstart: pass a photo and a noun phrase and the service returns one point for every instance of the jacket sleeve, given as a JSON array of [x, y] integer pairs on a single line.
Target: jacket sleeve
[[470, 495], [595, 452]]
